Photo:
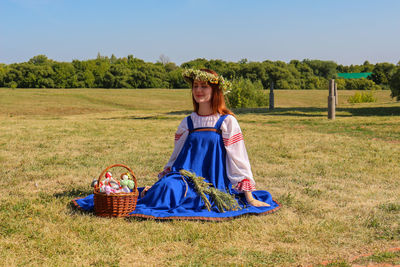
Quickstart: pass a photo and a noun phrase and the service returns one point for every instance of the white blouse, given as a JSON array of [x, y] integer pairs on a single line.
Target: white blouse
[[237, 161]]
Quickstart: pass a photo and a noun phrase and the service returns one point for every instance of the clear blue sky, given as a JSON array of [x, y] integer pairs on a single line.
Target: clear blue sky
[[345, 31]]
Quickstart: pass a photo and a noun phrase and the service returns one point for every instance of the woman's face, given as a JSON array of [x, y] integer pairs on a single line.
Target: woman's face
[[202, 92]]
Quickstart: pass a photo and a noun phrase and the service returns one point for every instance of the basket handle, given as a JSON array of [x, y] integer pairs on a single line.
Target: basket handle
[[118, 165]]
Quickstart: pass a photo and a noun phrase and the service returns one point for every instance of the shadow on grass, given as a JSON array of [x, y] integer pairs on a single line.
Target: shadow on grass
[[322, 112], [165, 116], [373, 111], [155, 117], [295, 111], [180, 112], [290, 111], [265, 111], [73, 193]]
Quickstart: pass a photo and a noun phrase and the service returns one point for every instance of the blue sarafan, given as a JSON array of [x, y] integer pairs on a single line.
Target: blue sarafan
[[174, 196]]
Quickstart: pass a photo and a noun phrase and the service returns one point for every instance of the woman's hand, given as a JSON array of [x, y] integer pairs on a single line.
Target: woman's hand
[[143, 193], [164, 172], [254, 202]]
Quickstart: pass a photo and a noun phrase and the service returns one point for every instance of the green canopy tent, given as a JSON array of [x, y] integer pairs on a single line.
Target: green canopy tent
[[354, 75]]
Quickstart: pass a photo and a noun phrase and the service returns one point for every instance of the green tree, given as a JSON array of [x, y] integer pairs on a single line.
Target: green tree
[[395, 84], [63, 75], [176, 80], [39, 60], [120, 75], [284, 78], [195, 64], [367, 67], [2, 74], [13, 76], [382, 73], [84, 77], [131, 72], [325, 69]]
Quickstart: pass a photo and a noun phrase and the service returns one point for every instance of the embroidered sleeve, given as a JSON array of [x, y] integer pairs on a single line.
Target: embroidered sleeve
[[237, 162], [245, 185], [180, 138]]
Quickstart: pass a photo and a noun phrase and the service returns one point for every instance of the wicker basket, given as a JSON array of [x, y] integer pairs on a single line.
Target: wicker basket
[[115, 205]]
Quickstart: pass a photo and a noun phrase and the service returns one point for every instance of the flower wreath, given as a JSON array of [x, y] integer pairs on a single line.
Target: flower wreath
[[191, 74]]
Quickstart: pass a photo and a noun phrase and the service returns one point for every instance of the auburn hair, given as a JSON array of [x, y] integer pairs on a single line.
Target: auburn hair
[[217, 98]]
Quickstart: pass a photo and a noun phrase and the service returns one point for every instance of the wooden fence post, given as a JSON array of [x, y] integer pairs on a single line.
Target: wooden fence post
[[336, 95], [271, 97], [331, 100]]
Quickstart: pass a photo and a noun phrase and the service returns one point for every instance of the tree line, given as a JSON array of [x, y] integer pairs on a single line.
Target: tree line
[[131, 72]]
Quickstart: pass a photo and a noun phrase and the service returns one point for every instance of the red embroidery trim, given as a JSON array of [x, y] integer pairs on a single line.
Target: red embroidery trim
[[178, 136], [245, 185], [234, 139]]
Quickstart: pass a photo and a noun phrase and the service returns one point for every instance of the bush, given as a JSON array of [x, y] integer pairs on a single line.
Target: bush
[[357, 84], [247, 94], [12, 85], [395, 84], [364, 97]]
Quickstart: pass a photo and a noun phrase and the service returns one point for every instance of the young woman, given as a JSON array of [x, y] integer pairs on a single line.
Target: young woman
[[210, 144]]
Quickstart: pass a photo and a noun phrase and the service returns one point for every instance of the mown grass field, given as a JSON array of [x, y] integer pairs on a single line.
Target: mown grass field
[[338, 180]]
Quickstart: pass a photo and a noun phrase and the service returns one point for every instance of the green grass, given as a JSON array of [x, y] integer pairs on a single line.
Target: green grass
[[337, 180]]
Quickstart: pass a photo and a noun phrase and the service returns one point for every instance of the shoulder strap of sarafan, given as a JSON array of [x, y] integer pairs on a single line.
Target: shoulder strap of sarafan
[[220, 121], [189, 123]]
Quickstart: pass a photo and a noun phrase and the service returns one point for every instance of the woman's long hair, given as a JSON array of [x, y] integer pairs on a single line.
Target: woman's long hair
[[217, 98]]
